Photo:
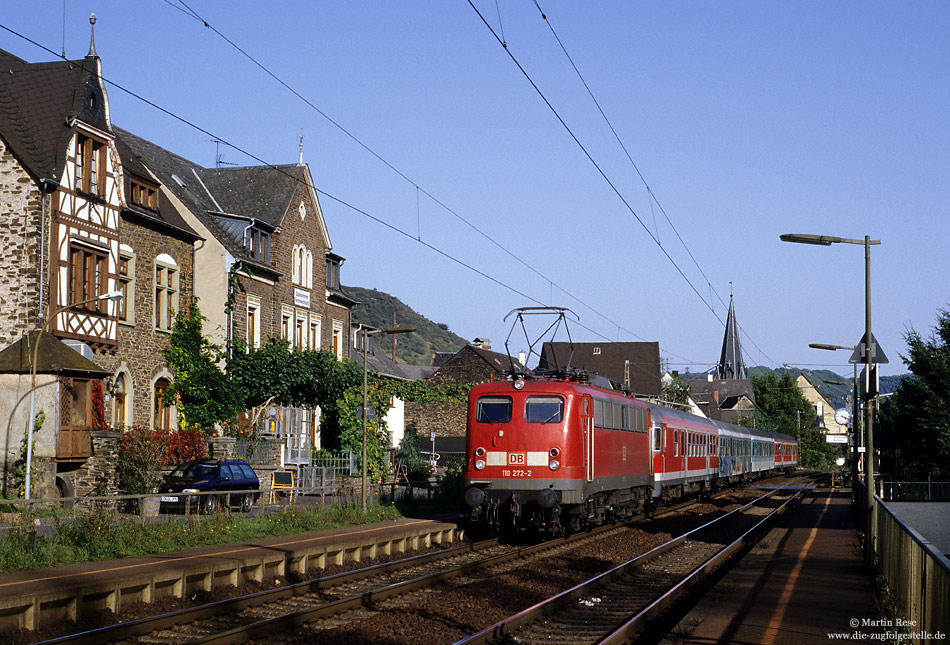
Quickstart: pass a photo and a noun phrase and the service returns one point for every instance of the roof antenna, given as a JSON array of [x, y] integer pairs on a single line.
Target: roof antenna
[[92, 37], [300, 143]]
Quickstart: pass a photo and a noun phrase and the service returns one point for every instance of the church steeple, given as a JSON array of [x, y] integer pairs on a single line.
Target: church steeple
[[730, 365]]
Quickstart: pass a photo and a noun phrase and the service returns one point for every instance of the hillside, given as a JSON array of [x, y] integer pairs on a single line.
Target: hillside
[[380, 310], [838, 395]]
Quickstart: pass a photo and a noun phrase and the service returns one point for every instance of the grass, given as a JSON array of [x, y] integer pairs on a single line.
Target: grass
[[100, 535]]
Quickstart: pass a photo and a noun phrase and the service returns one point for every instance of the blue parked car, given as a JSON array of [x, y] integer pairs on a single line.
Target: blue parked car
[[228, 476]]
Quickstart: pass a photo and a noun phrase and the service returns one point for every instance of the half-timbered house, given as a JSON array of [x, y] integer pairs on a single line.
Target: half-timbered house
[[93, 259]]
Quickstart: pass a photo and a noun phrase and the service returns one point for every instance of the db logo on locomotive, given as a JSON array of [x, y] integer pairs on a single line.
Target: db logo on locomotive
[[517, 458]]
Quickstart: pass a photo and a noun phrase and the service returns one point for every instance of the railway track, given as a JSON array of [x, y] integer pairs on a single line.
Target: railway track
[[265, 614], [624, 602]]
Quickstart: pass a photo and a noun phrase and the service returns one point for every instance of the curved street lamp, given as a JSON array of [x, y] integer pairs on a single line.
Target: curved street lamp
[[867, 242], [113, 296]]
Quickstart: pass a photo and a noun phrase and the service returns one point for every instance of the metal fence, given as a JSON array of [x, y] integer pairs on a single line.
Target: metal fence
[[348, 464], [917, 574], [928, 491], [444, 460]]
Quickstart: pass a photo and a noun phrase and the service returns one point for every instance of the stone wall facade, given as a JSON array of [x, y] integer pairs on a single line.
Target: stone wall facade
[[444, 419], [277, 295], [139, 354], [20, 215]]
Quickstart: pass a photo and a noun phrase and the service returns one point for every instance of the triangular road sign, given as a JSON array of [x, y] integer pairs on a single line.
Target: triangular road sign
[[877, 354]]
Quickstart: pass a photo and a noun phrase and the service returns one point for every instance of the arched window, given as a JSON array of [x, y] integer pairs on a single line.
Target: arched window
[[302, 266], [162, 413]]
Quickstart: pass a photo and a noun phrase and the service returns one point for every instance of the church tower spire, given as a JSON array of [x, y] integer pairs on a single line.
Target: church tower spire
[[731, 366]]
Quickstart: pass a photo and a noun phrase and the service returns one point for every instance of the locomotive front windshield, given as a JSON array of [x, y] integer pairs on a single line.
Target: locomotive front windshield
[[543, 409], [493, 409]]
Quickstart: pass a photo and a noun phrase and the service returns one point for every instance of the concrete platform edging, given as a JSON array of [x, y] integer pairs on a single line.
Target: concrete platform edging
[[31, 600]]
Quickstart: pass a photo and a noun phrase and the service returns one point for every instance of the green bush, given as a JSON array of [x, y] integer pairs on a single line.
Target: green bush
[[408, 455]]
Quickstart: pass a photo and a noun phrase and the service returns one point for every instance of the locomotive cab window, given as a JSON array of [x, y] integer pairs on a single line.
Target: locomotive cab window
[[543, 409], [493, 409]]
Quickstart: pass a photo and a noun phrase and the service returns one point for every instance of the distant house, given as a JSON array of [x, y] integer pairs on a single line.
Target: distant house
[[471, 364], [824, 418], [634, 366], [731, 401]]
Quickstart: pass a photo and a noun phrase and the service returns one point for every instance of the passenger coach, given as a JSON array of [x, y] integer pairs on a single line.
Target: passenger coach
[[563, 453]]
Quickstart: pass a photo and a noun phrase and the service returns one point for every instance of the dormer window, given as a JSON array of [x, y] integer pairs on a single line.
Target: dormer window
[[258, 245], [333, 272], [144, 195], [90, 165]]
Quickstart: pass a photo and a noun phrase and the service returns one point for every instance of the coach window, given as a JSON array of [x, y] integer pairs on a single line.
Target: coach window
[[493, 409], [543, 409], [657, 439]]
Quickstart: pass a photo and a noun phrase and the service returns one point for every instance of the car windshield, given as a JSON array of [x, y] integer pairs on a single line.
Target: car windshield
[[493, 409], [197, 471]]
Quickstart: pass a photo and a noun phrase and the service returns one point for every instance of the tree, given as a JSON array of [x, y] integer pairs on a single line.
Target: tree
[[676, 391], [914, 423], [307, 378], [781, 407], [202, 392]]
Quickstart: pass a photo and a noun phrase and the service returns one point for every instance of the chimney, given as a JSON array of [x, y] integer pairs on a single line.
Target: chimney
[[482, 343]]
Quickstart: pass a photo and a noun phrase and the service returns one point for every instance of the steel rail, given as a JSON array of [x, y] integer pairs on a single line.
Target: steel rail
[[167, 620], [162, 621], [507, 627]]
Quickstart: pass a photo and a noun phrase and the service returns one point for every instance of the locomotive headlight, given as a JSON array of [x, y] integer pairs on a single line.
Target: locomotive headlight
[[554, 452], [479, 452], [553, 464], [519, 384], [479, 464]]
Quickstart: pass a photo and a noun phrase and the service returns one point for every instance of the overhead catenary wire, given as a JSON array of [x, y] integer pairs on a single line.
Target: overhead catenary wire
[[650, 193], [341, 201], [596, 166], [321, 192], [188, 10]]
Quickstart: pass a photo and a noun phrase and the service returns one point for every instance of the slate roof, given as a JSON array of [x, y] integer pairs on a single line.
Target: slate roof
[[609, 360], [167, 215], [187, 181], [53, 357], [38, 101], [261, 192]]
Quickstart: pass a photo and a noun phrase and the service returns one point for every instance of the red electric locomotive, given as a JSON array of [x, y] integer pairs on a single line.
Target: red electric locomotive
[[564, 451], [540, 449]]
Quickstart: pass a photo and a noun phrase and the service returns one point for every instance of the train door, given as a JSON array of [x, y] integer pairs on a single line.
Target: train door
[[587, 420]]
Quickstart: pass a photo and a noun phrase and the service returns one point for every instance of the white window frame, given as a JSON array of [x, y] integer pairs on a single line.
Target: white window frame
[[126, 285], [315, 331], [166, 294], [253, 322]]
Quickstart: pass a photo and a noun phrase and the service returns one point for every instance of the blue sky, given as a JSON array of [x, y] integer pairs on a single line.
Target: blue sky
[[746, 120]]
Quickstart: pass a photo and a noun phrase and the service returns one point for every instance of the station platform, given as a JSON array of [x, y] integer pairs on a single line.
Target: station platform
[[805, 583], [34, 600]]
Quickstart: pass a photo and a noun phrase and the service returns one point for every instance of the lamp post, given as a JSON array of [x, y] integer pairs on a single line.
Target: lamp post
[[364, 411], [112, 295], [854, 413], [827, 240]]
